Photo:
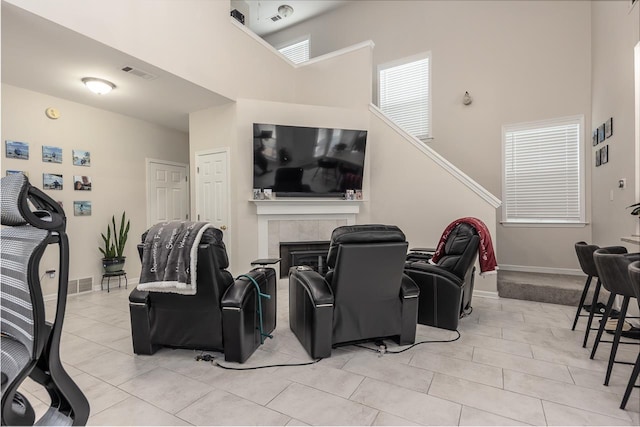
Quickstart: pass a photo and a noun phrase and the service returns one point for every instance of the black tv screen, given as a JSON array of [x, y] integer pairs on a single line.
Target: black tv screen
[[307, 161]]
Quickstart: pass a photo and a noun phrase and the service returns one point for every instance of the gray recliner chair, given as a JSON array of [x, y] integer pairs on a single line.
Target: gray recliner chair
[[364, 296], [30, 345]]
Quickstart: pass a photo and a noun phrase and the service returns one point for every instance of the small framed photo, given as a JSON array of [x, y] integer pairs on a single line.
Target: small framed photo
[[268, 194], [82, 208], [350, 195], [608, 127], [597, 154], [81, 158], [52, 181], [601, 133], [256, 193], [604, 155], [13, 172], [81, 183], [51, 154], [358, 194], [17, 150], [594, 138]]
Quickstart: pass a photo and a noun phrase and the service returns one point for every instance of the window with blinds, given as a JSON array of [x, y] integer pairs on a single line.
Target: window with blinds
[[297, 52], [543, 177], [404, 94]]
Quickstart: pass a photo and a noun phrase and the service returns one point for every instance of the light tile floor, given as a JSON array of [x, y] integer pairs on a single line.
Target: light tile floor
[[516, 363]]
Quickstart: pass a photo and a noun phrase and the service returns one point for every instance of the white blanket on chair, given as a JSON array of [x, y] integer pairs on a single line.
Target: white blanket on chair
[[170, 257]]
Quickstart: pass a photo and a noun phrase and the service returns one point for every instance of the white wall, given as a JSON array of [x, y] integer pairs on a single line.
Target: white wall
[[118, 145], [615, 34], [520, 61]]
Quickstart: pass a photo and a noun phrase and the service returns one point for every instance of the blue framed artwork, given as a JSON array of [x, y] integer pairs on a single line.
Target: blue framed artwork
[[17, 150]]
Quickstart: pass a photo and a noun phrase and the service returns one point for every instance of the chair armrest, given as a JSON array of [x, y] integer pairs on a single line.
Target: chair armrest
[[434, 270], [408, 288], [315, 285], [139, 297], [429, 250], [615, 249]]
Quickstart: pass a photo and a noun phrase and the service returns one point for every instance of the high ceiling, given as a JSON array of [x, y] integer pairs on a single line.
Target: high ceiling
[[42, 56], [261, 12], [45, 57]]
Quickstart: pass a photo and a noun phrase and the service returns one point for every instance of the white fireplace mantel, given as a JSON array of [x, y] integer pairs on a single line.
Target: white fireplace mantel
[[300, 210]]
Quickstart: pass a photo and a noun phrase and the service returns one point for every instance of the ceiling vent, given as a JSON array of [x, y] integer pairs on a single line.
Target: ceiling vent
[[139, 73], [276, 18]]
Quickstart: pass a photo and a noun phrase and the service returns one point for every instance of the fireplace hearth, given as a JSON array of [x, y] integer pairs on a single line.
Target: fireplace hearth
[[312, 254]]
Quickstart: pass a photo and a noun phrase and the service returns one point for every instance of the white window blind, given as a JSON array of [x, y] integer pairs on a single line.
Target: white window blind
[[297, 52], [404, 94], [543, 176]]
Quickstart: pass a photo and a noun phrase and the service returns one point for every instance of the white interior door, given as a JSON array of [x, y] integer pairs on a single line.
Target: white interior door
[[212, 189], [168, 192]]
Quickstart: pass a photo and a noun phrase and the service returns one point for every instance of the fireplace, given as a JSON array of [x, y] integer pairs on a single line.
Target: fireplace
[[312, 254]]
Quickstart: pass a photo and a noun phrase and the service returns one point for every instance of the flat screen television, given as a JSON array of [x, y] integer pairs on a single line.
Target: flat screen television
[[295, 161]]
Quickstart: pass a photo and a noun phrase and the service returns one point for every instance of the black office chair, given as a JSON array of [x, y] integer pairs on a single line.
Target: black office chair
[[364, 296], [446, 287], [30, 345], [634, 275], [613, 270], [224, 315]]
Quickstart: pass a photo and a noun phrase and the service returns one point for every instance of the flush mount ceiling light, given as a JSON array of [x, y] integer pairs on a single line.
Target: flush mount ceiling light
[[285, 10], [98, 86]]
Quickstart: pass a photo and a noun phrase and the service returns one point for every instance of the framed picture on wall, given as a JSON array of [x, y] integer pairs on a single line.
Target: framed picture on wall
[[594, 138], [604, 155], [608, 127], [52, 181], [13, 172], [81, 183], [17, 150], [82, 208], [51, 154], [601, 133], [597, 154], [81, 158]]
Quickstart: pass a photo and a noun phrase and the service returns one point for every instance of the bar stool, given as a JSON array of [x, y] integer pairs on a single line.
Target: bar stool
[[585, 252], [634, 275], [613, 270]]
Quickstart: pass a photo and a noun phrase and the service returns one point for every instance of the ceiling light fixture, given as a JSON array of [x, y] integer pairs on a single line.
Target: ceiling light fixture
[[98, 86], [285, 10]]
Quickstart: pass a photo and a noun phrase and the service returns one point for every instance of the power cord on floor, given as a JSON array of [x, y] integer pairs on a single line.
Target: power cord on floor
[[211, 358], [382, 347]]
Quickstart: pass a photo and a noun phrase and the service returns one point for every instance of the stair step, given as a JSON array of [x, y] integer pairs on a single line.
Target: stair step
[[541, 287]]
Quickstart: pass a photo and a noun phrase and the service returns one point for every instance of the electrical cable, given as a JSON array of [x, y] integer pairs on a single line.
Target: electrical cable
[[382, 348], [211, 358]]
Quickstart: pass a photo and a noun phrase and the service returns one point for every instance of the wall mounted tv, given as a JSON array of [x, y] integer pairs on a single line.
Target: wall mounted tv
[[296, 161]]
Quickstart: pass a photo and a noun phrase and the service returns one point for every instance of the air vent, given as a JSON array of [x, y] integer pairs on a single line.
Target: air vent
[[139, 73], [85, 285], [72, 287], [276, 17]]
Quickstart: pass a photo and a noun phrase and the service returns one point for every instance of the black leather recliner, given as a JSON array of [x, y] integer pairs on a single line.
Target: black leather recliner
[[30, 345], [221, 316], [364, 296], [446, 287]]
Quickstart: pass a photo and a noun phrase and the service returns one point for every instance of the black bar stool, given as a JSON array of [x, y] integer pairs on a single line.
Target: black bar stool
[[585, 252], [613, 270], [634, 275]]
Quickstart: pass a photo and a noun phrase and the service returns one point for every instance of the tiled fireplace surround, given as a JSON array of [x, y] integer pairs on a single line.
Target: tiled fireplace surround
[[300, 221]]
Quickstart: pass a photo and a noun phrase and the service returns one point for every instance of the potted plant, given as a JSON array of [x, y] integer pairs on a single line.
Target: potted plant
[[114, 243]]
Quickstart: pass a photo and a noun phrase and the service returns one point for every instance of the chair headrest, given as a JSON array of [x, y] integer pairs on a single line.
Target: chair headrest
[[459, 239], [15, 195], [213, 237], [368, 233]]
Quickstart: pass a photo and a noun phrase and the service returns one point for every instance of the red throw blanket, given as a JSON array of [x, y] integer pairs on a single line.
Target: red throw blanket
[[486, 255]]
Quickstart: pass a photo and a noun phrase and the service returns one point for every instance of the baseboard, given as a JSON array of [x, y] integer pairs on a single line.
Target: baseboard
[[486, 294], [544, 270]]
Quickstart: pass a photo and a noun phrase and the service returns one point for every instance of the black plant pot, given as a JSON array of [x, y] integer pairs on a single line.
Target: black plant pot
[[111, 265]]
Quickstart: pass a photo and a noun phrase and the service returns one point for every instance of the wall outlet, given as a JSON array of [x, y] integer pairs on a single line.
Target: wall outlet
[[622, 183], [51, 273]]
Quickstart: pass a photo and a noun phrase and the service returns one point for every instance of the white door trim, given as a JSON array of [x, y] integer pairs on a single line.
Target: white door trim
[[147, 162]]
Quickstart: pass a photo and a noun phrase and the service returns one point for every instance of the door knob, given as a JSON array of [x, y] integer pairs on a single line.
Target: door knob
[[223, 227]]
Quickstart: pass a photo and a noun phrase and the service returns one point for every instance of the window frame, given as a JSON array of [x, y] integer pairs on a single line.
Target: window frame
[[406, 60], [540, 222], [295, 41]]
